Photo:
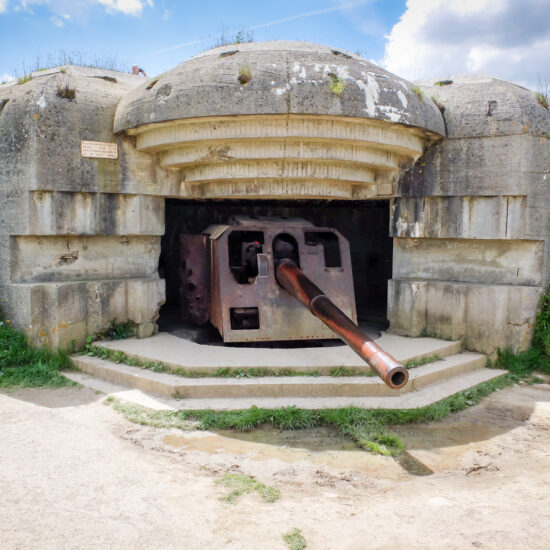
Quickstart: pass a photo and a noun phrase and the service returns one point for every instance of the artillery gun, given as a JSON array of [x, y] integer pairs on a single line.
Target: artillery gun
[[252, 278]]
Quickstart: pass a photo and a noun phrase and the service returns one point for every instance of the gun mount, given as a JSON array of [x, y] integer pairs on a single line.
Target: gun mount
[[248, 278]]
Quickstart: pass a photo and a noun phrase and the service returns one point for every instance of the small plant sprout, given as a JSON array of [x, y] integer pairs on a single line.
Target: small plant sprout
[[245, 75], [443, 83], [239, 484], [419, 93], [295, 540], [542, 92], [337, 85]]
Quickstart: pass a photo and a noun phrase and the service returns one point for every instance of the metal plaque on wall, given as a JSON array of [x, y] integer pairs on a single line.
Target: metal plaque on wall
[[99, 149]]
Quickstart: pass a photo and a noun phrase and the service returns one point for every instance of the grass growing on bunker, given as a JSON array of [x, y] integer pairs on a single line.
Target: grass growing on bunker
[[240, 484], [295, 540], [26, 366]]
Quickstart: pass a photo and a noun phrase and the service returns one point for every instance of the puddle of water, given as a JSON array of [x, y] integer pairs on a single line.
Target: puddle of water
[[437, 436], [321, 446]]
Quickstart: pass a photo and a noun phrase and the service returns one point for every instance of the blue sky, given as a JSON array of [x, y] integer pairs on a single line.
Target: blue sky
[[413, 38]]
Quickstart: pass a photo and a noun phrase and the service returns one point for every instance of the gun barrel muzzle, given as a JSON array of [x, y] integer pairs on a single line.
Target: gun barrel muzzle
[[293, 279]]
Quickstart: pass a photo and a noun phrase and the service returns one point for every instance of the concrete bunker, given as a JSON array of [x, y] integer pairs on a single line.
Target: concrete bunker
[[463, 189]]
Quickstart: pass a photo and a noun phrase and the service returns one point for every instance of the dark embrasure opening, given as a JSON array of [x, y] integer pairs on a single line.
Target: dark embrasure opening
[[364, 223]]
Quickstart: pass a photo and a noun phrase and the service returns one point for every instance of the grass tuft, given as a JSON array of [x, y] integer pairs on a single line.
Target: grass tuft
[[24, 79], [295, 540], [245, 75], [413, 363], [25, 366], [419, 93], [239, 484], [66, 92]]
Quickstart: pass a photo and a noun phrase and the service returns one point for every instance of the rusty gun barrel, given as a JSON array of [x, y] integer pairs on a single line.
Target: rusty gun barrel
[[293, 279]]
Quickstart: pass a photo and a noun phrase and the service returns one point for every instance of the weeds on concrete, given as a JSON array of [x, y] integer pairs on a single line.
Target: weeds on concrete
[[223, 372], [337, 85], [25, 366], [418, 92], [245, 75], [295, 540], [66, 92], [240, 484], [542, 93], [242, 36], [61, 58], [413, 363], [151, 84], [24, 79]]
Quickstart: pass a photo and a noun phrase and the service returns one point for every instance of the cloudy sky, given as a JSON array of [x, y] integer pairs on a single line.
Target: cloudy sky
[[416, 39]]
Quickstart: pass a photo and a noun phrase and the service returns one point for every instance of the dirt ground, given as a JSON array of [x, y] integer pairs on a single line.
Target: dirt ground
[[75, 474]]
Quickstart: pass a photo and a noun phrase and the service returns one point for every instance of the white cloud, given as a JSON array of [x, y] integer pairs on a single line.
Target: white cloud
[[5, 77], [56, 21], [67, 9], [439, 38], [129, 7]]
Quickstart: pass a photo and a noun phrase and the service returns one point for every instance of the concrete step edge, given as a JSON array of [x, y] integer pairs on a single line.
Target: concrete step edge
[[421, 398], [209, 360], [169, 384]]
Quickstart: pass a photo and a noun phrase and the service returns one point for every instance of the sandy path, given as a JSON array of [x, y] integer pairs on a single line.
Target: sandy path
[[75, 474]]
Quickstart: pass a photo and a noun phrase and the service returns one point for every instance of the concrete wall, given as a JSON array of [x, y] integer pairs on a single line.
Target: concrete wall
[[79, 237], [471, 226]]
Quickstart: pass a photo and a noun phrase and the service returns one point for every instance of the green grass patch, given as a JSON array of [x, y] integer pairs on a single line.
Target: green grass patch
[[239, 484], [26, 366], [223, 372], [369, 428], [418, 92], [413, 363], [295, 540]]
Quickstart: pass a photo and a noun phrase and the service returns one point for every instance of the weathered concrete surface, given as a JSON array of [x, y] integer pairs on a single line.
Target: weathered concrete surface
[[474, 217], [308, 122], [284, 387], [483, 261], [56, 258], [57, 313], [484, 316], [79, 240], [284, 78], [182, 353], [485, 106]]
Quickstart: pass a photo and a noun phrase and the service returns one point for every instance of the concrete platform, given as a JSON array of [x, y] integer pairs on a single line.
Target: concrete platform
[[453, 372], [181, 353]]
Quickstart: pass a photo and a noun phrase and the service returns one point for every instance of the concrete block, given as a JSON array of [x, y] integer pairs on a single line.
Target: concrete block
[[71, 258], [485, 317], [494, 217], [507, 262], [407, 307]]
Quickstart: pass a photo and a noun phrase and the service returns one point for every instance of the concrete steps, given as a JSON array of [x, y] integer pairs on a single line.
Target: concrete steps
[[177, 353], [275, 386], [431, 382], [410, 400]]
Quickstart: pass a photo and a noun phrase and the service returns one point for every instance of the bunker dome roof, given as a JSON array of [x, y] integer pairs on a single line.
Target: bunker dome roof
[[277, 78], [480, 105]]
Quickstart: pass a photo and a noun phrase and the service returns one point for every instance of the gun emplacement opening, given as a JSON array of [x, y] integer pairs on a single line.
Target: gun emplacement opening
[[252, 278]]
